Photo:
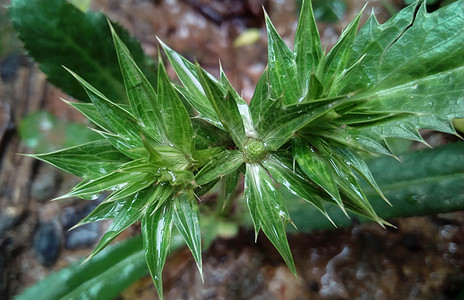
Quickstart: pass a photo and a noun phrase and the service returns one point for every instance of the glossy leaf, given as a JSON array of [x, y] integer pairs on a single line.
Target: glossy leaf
[[417, 71], [134, 210], [91, 160], [192, 89], [120, 120], [268, 210], [294, 180], [337, 59], [187, 222], [225, 107], [317, 168], [208, 136], [308, 50], [55, 33], [115, 180], [156, 230], [178, 128], [282, 68], [141, 95], [219, 166], [104, 211], [355, 161], [261, 99]]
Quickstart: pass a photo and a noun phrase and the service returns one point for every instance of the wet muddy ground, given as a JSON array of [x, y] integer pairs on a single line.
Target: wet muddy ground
[[422, 259]]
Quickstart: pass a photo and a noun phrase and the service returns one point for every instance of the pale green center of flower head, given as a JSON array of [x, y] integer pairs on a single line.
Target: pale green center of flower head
[[254, 150]]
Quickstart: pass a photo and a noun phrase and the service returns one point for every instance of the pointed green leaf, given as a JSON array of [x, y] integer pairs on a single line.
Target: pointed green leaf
[[91, 160], [281, 122], [133, 210], [208, 136], [192, 89], [156, 231], [89, 110], [282, 68], [104, 211], [316, 167], [225, 107], [268, 210], [131, 188], [132, 150], [294, 180], [219, 166], [261, 99], [308, 50], [116, 180], [120, 120], [243, 107], [176, 119], [187, 222], [356, 162], [141, 95], [338, 58]]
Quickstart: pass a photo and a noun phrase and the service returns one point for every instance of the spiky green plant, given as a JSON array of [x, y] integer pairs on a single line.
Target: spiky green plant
[[309, 117]]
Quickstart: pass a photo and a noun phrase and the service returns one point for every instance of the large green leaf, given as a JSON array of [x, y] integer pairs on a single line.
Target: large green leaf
[[90, 160], [268, 210], [415, 71], [56, 33], [156, 230]]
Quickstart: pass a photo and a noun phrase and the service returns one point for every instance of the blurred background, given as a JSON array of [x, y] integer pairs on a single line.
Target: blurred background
[[422, 259]]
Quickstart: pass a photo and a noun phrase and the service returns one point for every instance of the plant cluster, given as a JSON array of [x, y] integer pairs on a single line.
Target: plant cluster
[[311, 115]]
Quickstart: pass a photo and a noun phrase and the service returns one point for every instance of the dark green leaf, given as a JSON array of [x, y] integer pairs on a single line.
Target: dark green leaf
[[91, 160], [337, 59], [187, 222], [55, 33], [261, 99], [219, 166], [156, 230], [177, 123]]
